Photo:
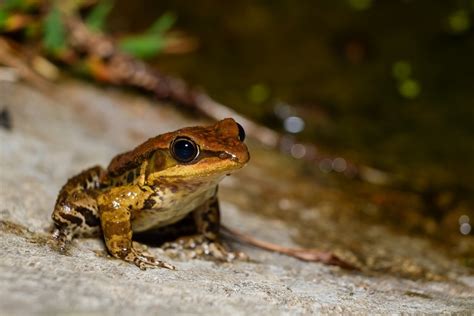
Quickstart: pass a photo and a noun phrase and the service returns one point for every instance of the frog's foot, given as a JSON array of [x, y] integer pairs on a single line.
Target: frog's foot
[[200, 247], [60, 241], [144, 261]]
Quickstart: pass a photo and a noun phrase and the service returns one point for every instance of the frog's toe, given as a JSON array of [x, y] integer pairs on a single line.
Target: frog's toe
[[199, 247], [237, 255], [143, 261], [143, 265], [60, 241], [220, 252]]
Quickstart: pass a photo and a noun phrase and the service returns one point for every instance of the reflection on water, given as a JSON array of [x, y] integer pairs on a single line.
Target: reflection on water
[[381, 83]]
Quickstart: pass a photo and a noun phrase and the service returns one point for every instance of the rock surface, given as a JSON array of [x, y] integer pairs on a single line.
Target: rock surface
[[56, 134]]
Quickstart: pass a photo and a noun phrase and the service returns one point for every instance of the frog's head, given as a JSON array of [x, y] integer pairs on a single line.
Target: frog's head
[[210, 151], [192, 152]]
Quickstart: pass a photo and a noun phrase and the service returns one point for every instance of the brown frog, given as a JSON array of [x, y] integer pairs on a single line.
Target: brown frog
[[167, 181]]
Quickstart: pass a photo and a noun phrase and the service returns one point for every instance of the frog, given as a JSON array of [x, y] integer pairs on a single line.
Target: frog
[[168, 181]]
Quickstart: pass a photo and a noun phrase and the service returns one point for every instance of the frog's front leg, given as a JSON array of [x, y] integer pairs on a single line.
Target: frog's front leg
[[115, 217], [206, 242], [76, 212]]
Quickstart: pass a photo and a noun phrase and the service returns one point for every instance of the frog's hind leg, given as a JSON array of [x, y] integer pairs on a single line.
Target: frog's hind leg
[[206, 243], [76, 212]]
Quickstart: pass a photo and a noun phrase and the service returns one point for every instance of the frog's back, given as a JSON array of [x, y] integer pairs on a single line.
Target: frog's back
[[134, 158]]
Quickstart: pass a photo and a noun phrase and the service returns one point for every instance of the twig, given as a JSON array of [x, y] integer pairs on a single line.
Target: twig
[[304, 254], [213, 109], [9, 57]]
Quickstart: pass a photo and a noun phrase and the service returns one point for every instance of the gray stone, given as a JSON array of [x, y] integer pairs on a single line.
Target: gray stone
[[58, 133]]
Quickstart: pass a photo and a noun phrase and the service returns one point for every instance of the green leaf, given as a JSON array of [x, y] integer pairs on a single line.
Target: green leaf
[[3, 18], [54, 38], [143, 46], [152, 42], [6, 6], [96, 19], [163, 23]]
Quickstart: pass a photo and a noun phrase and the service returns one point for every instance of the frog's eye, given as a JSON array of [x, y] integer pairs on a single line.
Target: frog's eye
[[241, 132], [184, 150]]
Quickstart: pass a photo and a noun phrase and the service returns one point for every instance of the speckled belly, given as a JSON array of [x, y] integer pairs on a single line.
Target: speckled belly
[[169, 210]]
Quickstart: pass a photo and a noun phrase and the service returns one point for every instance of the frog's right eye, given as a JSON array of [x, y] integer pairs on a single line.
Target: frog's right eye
[[184, 150], [241, 132]]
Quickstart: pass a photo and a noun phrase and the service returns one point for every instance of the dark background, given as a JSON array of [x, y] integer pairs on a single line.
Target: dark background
[[382, 83]]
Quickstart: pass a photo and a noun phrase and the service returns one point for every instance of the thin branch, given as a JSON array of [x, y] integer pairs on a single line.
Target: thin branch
[[305, 254]]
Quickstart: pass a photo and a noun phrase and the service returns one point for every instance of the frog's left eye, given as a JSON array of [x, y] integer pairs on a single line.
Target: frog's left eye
[[241, 132], [184, 150]]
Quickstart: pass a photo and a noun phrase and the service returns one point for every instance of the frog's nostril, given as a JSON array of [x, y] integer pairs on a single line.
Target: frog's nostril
[[231, 157], [224, 155]]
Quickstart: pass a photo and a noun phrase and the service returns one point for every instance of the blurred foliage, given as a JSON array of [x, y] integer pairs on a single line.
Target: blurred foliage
[[54, 37], [3, 18], [151, 42], [258, 93], [49, 15], [23, 5], [97, 17]]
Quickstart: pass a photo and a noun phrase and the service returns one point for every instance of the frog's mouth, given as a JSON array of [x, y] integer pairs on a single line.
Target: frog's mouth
[[209, 168]]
